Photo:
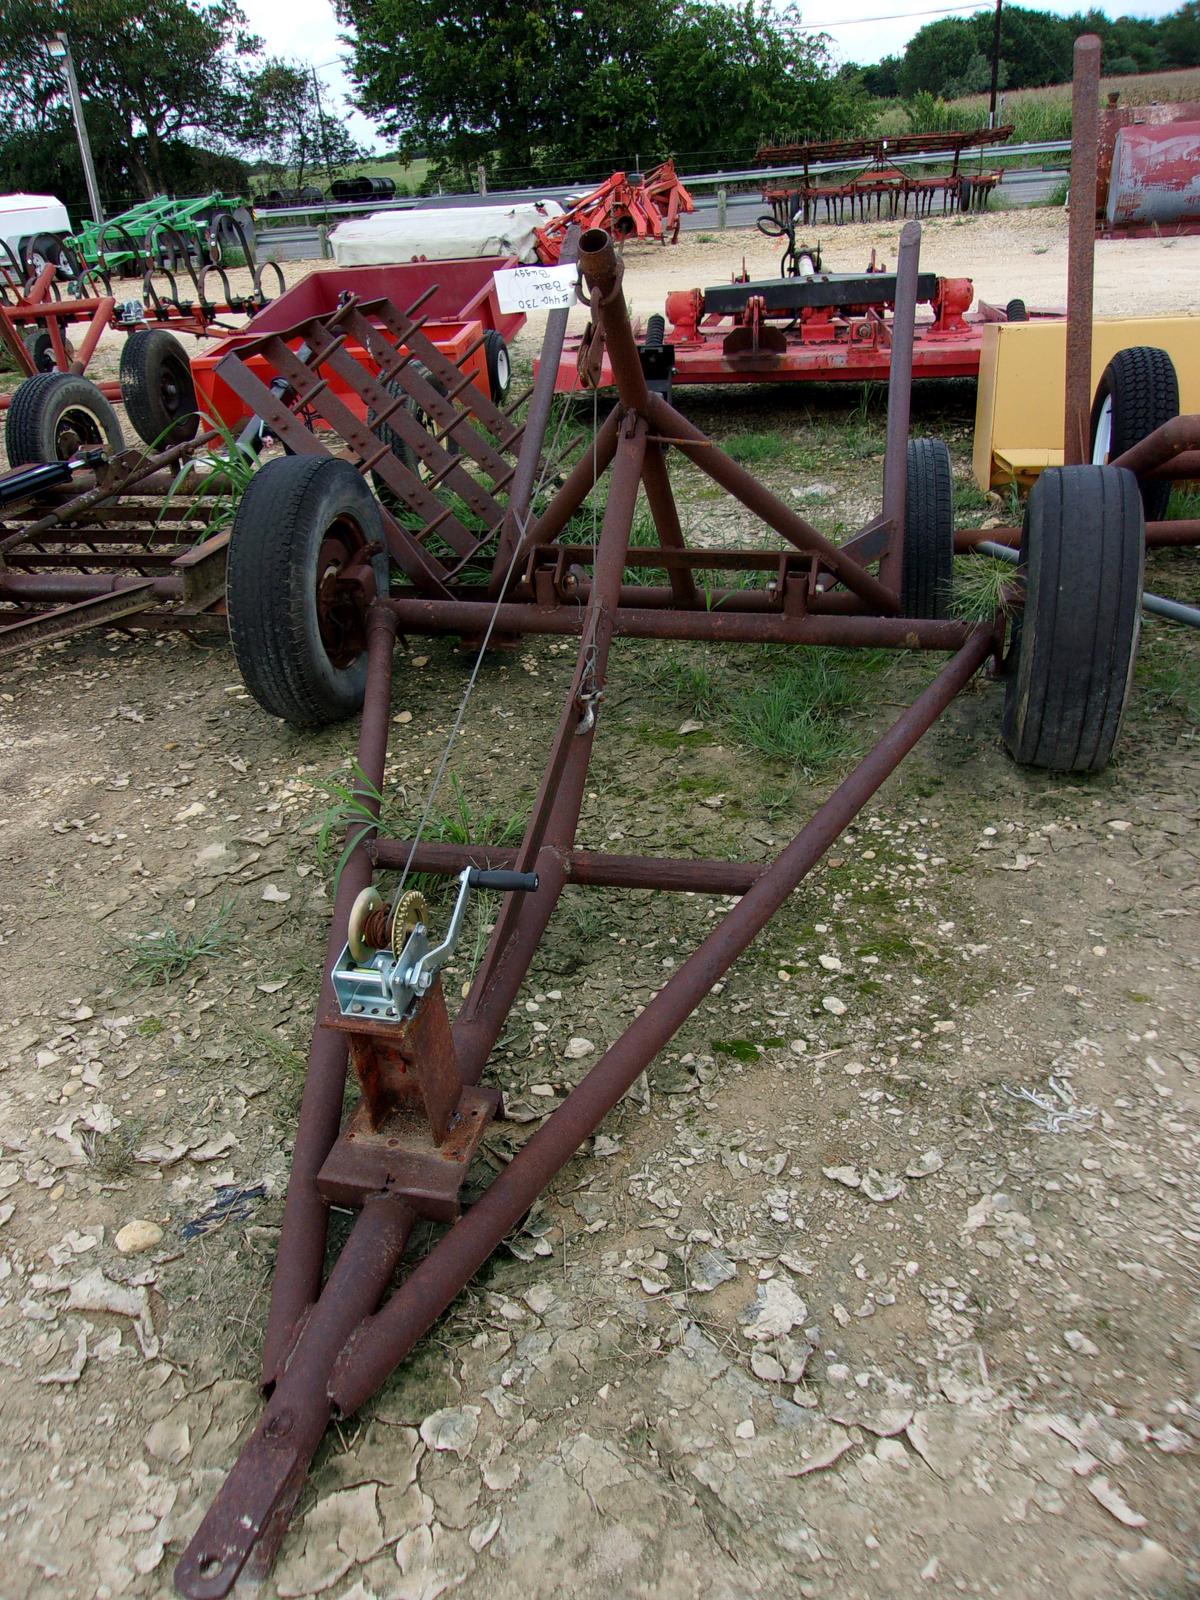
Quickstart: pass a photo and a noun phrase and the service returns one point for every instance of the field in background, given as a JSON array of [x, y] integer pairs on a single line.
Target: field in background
[[1037, 115]]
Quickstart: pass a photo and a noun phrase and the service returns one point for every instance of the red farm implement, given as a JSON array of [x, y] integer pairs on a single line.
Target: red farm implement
[[39, 312], [805, 325], [91, 534], [401, 1154], [627, 207]]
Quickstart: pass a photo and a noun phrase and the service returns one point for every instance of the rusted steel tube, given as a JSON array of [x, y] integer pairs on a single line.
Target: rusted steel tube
[[895, 460], [253, 1505], [603, 273], [1081, 247], [594, 868], [469, 618], [32, 587], [105, 306], [301, 1255], [1159, 535], [577, 485], [1164, 445], [145, 468], [385, 1339], [745, 487], [520, 494]]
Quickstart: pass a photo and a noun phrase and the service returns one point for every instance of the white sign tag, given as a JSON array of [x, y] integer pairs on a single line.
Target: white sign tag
[[537, 288]]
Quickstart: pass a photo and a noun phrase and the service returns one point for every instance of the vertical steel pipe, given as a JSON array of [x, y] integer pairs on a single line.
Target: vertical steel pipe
[[385, 1339], [537, 417], [1081, 248], [301, 1254], [603, 273], [895, 460]]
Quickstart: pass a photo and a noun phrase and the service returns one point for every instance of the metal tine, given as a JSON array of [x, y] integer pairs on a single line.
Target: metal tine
[[515, 405]]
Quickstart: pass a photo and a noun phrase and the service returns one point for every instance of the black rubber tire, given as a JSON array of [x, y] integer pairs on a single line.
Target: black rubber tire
[[44, 247], [1070, 663], [55, 414], [157, 388], [291, 506], [499, 365], [966, 194], [400, 446], [1016, 312], [41, 348], [1142, 385], [927, 571]]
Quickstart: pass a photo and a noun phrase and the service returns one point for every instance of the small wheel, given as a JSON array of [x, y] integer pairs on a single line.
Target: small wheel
[[306, 556], [1016, 312], [966, 194], [41, 348], [927, 571], [157, 388], [499, 365], [41, 250], [54, 415], [401, 446], [1070, 663], [1138, 391]]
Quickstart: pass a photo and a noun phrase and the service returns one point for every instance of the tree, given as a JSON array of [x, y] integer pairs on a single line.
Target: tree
[[285, 121], [937, 56], [568, 89], [152, 73]]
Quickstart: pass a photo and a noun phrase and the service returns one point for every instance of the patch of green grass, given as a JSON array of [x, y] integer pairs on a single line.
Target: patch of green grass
[[799, 712], [969, 497], [1184, 503], [461, 825], [980, 585], [165, 954], [754, 448], [225, 464], [1167, 675], [740, 1049]]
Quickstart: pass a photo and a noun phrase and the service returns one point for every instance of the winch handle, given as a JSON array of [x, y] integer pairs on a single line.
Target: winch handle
[[482, 878]]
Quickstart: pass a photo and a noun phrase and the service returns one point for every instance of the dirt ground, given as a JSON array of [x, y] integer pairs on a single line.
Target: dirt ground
[[883, 1281]]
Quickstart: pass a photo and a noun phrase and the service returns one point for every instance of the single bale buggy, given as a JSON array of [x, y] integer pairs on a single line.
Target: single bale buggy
[[403, 1151]]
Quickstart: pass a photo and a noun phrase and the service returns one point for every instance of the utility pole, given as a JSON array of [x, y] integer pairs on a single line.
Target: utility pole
[[58, 47], [322, 134], [995, 66]]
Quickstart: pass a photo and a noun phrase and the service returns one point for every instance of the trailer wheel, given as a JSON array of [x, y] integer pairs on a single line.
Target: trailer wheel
[[54, 415], [157, 388], [1070, 663], [41, 348], [1016, 312], [306, 556], [927, 572], [399, 445], [41, 250], [1138, 391], [499, 365]]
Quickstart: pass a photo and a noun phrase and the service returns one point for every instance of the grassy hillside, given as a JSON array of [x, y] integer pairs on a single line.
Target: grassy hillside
[[1037, 114]]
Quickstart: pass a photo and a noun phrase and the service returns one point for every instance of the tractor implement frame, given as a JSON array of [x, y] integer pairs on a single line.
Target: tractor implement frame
[[328, 1349]]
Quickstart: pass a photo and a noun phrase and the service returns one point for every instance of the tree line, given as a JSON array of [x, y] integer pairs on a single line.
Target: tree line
[[953, 56]]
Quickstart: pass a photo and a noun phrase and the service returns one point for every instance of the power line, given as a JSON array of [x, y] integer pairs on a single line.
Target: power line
[[892, 16]]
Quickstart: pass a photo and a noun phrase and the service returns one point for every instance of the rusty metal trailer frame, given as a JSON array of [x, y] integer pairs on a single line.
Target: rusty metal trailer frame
[[402, 1154]]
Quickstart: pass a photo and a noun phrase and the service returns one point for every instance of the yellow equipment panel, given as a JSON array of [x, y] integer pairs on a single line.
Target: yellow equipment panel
[[1022, 374]]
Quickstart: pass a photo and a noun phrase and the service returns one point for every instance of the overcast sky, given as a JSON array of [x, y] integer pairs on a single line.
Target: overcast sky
[[307, 30]]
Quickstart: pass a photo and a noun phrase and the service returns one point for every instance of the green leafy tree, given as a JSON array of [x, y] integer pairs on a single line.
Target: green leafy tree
[[288, 125], [153, 74], [564, 89]]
